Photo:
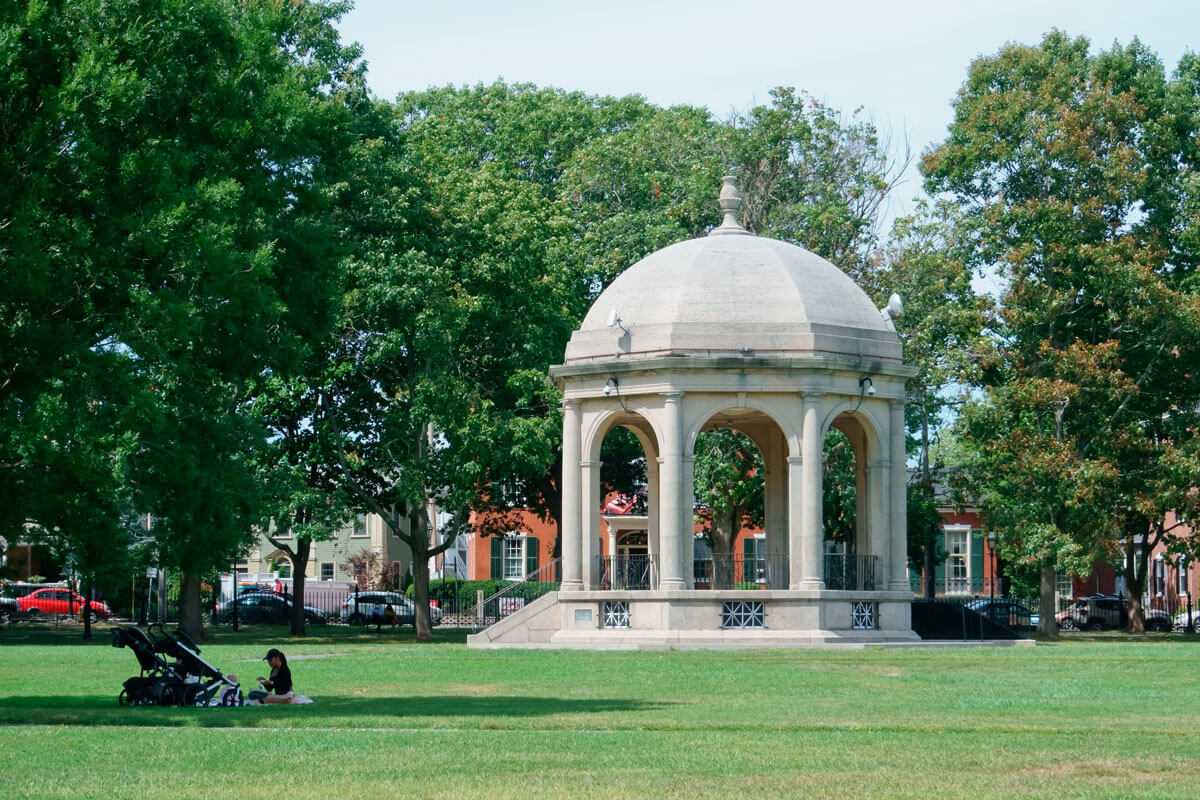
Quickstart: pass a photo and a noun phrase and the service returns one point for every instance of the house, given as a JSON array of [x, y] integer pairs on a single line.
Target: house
[[329, 560]]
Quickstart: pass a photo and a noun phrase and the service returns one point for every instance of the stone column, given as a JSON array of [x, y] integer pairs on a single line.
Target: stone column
[[775, 509], [590, 526], [795, 519], [572, 573], [653, 515], [878, 531], [811, 501], [898, 513], [688, 549], [672, 492]]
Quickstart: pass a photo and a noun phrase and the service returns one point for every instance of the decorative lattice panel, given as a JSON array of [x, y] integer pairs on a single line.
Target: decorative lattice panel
[[743, 614], [616, 614], [863, 617]]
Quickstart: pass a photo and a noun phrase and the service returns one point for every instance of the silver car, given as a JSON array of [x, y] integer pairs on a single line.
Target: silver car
[[368, 608]]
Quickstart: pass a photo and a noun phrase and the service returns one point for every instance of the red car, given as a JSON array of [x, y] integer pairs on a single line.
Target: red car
[[59, 601]]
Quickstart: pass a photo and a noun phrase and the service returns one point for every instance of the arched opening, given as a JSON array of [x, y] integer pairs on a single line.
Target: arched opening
[[850, 553], [739, 475], [626, 547]]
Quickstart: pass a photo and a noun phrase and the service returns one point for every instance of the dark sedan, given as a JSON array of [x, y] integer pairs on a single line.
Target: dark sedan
[[1006, 612], [265, 608]]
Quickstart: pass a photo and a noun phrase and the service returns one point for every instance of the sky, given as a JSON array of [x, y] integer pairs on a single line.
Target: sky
[[900, 62]]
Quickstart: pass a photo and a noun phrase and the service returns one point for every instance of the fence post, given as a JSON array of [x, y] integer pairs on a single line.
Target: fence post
[[479, 605]]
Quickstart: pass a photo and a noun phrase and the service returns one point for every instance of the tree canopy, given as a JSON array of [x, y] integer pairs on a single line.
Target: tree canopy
[[1074, 172]]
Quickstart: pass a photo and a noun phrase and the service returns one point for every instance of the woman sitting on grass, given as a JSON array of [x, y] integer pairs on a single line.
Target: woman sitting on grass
[[280, 681]]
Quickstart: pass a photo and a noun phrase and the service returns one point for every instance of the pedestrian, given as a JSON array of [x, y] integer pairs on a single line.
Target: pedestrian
[[280, 681]]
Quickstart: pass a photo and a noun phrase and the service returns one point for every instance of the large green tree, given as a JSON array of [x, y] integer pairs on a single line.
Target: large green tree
[[1073, 169], [942, 330], [456, 292], [165, 169]]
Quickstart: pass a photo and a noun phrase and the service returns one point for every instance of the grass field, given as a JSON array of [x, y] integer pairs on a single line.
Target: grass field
[[1101, 716]]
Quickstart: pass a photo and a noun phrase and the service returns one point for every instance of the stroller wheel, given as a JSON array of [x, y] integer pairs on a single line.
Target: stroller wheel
[[124, 699], [193, 696], [233, 699]]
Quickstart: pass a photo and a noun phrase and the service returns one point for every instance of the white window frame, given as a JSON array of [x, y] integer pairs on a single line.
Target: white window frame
[[327, 566], [1182, 586], [957, 562], [1064, 586], [512, 554], [359, 523]]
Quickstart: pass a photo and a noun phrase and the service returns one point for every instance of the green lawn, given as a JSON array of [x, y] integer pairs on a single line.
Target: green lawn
[[1101, 716]]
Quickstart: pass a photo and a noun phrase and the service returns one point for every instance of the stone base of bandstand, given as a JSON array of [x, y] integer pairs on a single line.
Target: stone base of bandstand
[[692, 619]]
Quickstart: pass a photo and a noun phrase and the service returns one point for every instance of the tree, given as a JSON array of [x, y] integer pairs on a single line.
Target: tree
[[729, 489], [942, 331], [1073, 171], [455, 290], [165, 167], [812, 177]]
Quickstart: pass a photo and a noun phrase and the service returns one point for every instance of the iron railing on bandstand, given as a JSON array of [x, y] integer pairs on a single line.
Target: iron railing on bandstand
[[849, 572], [628, 572], [767, 571]]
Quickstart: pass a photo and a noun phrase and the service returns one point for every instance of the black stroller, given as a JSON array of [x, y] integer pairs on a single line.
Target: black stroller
[[189, 680]]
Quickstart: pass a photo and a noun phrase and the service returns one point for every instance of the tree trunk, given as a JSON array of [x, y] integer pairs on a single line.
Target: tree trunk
[[721, 536], [1135, 585], [1046, 607], [190, 617], [420, 570], [927, 487], [299, 570]]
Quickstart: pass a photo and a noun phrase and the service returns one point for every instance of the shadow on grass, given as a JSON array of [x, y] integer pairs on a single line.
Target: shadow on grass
[[470, 711]]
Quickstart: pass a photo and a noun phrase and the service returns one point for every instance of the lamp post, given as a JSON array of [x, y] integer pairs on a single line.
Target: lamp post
[[991, 537]]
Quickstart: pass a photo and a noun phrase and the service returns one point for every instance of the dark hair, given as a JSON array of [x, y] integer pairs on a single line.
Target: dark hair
[[273, 653]]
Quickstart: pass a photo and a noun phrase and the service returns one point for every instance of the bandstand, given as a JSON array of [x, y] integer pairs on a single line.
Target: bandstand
[[743, 332]]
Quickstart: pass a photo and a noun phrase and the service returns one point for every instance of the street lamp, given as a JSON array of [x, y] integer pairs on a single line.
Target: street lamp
[[991, 537]]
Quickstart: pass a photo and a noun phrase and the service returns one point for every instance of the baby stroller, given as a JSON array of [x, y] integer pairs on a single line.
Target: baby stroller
[[189, 680]]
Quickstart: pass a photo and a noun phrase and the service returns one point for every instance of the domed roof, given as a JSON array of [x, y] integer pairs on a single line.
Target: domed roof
[[733, 293]]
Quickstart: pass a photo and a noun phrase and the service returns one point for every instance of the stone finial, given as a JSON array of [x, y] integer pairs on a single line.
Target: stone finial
[[731, 202]]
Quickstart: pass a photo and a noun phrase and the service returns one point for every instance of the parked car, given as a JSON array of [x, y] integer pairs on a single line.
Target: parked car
[[53, 600], [372, 604], [1180, 623], [263, 607], [1105, 612], [8, 605], [1004, 611]]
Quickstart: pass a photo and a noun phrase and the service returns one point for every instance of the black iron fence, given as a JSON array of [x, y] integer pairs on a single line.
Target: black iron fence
[[740, 572], [849, 572], [967, 619], [628, 572]]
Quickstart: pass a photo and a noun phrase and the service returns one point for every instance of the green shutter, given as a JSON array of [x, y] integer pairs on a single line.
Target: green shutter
[[497, 557], [976, 561], [531, 555]]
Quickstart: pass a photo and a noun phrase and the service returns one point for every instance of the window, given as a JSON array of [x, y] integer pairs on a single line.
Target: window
[[754, 567], [1182, 588], [957, 560], [326, 570], [1063, 586], [284, 568], [394, 574], [514, 558], [514, 555], [360, 527], [1160, 576]]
